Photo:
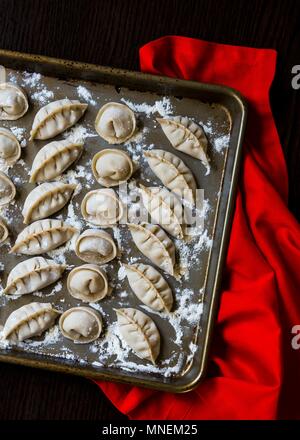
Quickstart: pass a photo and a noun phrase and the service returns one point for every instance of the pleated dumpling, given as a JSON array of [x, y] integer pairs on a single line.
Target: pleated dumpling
[[186, 136], [164, 208], [32, 275], [56, 117], [81, 324], [154, 243], [88, 283], [95, 246], [42, 236], [28, 321], [46, 199], [112, 167], [7, 189], [10, 149], [173, 173], [140, 333], [149, 286], [13, 102], [102, 207], [53, 159], [115, 123]]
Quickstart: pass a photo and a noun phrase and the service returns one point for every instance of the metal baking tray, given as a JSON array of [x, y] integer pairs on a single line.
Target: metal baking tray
[[187, 333]]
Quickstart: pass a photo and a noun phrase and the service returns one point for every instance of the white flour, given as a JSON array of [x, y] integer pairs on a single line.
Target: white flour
[[86, 95], [111, 349]]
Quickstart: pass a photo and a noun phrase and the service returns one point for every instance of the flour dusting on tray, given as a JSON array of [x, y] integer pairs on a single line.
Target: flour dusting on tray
[[178, 327]]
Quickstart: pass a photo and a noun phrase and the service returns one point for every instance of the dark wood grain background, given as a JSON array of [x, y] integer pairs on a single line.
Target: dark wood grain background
[[109, 32]]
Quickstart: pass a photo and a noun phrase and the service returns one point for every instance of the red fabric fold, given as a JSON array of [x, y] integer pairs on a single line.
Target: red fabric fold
[[253, 373]]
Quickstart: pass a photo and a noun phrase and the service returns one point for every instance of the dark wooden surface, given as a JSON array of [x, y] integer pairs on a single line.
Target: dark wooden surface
[[109, 32]]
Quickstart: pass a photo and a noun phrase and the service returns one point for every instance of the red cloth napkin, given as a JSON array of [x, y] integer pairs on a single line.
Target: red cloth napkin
[[254, 373]]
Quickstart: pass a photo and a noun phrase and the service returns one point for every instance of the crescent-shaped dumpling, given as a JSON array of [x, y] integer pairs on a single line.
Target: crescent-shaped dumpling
[[186, 136], [28, 321], [115, 123], [46, 199], [13, 102], [56, 117], [154, 243], [173, 173], [139, 332], [53, 159], [32, 275], [164, 208], [149, 286], [42, 236]]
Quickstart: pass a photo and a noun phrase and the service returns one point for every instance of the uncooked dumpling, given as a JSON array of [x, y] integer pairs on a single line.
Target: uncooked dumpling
[[102, 207], [154, 243], [95, 246], [115, 123], [140, 333], [173, 173], [81, 324], [43, 236], [10, 149], [32, 275], [53, 159], [149, 286], [112, 167], [164, 208], [56, 117], [186, 136], [88, 283], [46, 199], [7, 189], [13, 102], [28, 321]]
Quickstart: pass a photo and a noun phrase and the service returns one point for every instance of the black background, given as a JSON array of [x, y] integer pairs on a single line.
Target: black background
[[109, 32]]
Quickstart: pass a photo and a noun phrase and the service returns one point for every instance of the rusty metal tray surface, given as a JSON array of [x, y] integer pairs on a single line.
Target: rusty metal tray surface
[[186, 331]]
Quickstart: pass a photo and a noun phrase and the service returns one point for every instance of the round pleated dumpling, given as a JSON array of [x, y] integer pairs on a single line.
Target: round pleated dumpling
[[88, 283], [53, 159], [7, 189], [43, 236], [95, 246], [81, 324], [112, 167], [28, 321], [10, 149], [13, 102], [139, 332], [115, 123], [46, 199], [32, 275], [56, 117], [102, 207]]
